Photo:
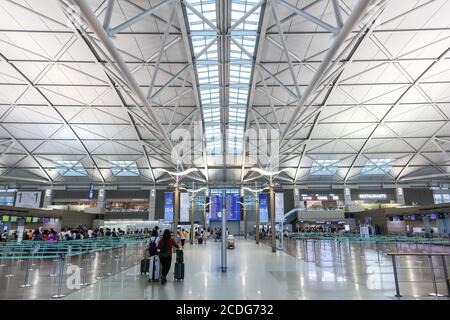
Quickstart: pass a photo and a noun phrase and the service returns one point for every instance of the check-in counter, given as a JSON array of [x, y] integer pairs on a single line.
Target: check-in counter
[[321, 214]]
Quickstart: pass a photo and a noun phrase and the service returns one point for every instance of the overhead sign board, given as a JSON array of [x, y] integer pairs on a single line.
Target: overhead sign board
[[27, 199]]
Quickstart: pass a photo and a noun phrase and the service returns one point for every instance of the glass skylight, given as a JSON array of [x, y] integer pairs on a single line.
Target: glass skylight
[[242, 50], [378, 166], [324, 167], [70, 168], [124, 168], [204, 43]]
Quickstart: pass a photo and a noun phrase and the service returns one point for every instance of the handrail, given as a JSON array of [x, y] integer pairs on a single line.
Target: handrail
[[437, 254]]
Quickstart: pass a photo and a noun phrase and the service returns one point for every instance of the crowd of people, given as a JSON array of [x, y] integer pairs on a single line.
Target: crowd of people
[[40, 234], [80, 233]]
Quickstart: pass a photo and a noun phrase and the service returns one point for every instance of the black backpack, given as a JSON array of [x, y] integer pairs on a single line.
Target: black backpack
[[152, 248]]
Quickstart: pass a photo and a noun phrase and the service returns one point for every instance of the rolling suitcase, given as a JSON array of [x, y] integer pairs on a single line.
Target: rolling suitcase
[[179, 271], [145, 265], [154, 268], [180, 257]]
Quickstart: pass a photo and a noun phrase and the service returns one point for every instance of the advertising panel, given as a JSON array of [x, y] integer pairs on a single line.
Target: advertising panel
[[168, 206], [263, 207], [184, 207], [279, 207]]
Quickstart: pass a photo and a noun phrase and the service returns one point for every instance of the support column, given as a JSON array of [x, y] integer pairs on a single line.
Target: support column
[[176, 211], [48, 198], [152, 205], [441, 225], [272, 216], [245, 221], [347, 196], [224, 233], [297, 202], [400, 196], [257, 217], [447, 225], [191, 238], [101, 199]]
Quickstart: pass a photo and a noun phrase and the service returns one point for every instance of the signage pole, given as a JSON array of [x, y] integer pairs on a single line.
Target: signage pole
[[245, 221], [257, 214], [192, 220], [272, 215], [224, 233], [204, 209]]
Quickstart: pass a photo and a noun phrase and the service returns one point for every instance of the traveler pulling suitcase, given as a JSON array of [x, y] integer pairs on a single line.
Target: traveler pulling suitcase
[[179, 266], [145, 265], [153, 274]]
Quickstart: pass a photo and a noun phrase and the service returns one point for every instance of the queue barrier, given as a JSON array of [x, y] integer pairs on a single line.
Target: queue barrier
[[59, 251], [430, 256], [373, 238]]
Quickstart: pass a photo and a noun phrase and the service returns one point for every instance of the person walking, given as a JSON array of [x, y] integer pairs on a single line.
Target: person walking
[[165, 246], [183, 237]]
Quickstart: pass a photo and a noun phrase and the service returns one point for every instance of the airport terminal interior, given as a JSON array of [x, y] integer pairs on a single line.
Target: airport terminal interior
[[224, 149]]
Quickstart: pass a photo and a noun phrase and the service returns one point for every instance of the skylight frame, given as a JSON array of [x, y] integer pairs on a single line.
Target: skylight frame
[[207, 67], [324, 167], [378, 166], [241, 69], [70, 168], [124, 168]]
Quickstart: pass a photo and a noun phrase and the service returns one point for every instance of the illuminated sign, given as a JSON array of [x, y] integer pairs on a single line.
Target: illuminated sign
[[373, 196]]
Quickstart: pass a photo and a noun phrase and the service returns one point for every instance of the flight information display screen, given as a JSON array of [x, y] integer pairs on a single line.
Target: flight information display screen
[[233, 207]]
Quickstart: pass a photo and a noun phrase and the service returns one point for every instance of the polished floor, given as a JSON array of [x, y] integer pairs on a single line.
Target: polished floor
[[304, 270]]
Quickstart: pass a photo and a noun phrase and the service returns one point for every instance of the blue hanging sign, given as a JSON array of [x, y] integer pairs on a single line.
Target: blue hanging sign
[[91, 192], [263, 207], [168, 206]]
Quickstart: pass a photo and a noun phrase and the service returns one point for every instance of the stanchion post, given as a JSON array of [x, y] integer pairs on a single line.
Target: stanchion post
[[433, 276], [447, 280], [10, 274], [394, 266], [53, 274], [61, 276], [84, 282], [27, 274], [1, 259]]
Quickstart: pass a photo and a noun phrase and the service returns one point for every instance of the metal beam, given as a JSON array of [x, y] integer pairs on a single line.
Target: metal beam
[[309, 17], [109, 45], [136, 18], [352, 20]]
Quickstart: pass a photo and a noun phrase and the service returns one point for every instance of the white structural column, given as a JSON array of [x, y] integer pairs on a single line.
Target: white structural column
[[101, 199], [400, 196], [48, 198], [297, 202], [152, 205], [347, 196], [447, 224], [440, 225]]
